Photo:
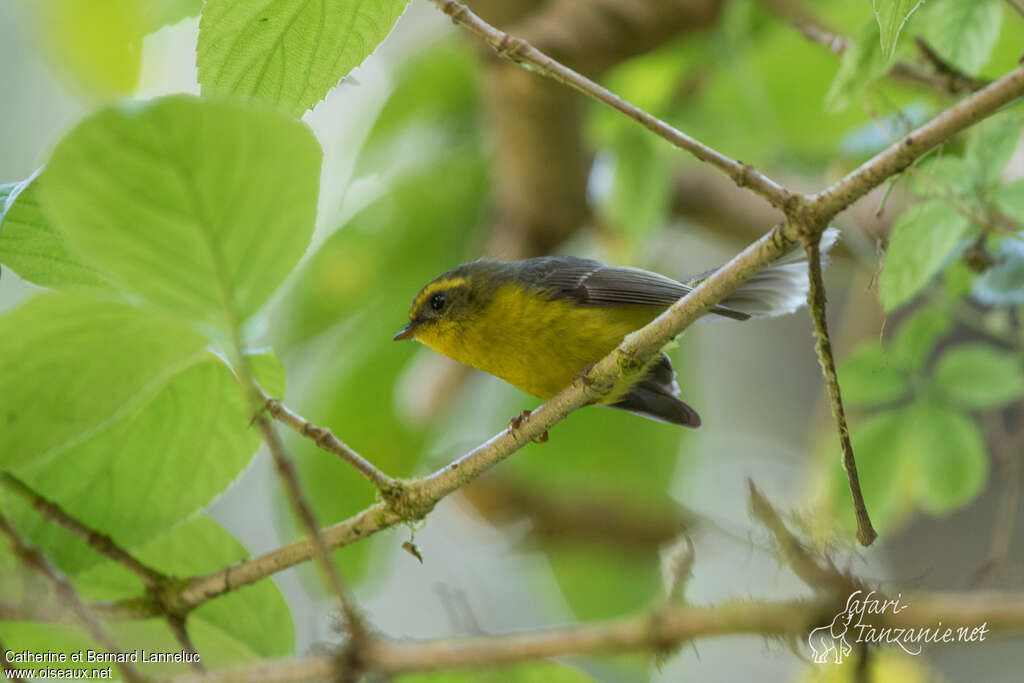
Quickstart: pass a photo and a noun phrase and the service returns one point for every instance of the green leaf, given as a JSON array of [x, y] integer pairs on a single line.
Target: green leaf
[[868, 377], [69, 365], [31, 246], [268, 371], [950, 454], [979, 376], [1010, 199], [149, 426], [917, 337], [990, 146], [861, 64], [289, 52], [248, 623], [892, 16], [98, 44], [941, 176], [200, 207], [921, 242], [1003, 283], [964, 32], [535, 672]]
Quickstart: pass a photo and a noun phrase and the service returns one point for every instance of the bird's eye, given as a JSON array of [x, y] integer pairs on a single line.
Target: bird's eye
[[438, 301]]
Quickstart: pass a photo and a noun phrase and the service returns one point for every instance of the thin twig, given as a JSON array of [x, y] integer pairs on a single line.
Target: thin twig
[[1016, 4], [519, 51], [67, 595], [957, 80], [9, 668], [102, 543], [325, 439], [180, 630], [823, 347], [301, 507]]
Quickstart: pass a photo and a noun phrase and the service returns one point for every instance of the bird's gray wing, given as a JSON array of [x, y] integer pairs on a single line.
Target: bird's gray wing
[[591, 283], [656, 397]]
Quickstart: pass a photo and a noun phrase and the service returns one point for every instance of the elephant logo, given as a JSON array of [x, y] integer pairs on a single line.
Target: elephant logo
[[831, 639]]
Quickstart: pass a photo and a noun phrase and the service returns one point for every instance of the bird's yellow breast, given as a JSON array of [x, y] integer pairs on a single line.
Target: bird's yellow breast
[[532, 342]]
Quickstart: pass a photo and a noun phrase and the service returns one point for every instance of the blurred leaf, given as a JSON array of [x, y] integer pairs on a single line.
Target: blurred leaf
[[642, 186], [290, 52], [130, 402], [268, 371], [886, 471], [159, 13], [892, 15], [201, 207], [979, 376], [98, 44], [434, 92], [1010, 198], [535, 672], [963, 32], [951, 458], [959, 279], [1003, 283], [884, 666], [31, 246], [917, 337], [600, 582], [861, 64], [941, 176], [38, 637], [921, 242], [990, 146], [251, 622], [868, 377], [73, 364]]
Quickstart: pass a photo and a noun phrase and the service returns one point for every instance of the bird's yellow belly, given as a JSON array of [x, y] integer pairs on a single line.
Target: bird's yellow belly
[[535, 344]]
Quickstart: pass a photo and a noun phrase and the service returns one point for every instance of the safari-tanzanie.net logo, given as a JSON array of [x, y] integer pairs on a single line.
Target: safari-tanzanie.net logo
[[869, 618]]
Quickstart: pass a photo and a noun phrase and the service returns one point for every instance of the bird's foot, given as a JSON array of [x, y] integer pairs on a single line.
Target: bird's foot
[[517, 421]]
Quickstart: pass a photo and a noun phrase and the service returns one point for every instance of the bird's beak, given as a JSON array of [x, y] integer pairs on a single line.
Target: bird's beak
[[407, 332]]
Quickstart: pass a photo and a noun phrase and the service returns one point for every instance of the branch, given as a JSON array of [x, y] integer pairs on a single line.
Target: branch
[[899, 156], [67, 595], [325, 439], [51, 512], [178, 628], [521, 52], [866, 533], [1002, 614]]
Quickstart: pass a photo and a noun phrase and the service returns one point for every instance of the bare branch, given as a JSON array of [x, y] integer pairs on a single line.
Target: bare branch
[[67, 595], [102, 543], [286, 470], [521, 52], [823, 348], [325, 439], [1003, 613], [899, 156]]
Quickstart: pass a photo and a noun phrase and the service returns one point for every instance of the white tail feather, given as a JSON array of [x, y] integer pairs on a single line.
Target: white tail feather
[[781, 287]]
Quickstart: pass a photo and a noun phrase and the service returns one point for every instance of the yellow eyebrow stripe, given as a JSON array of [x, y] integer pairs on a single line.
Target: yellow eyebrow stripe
[[435, 287]]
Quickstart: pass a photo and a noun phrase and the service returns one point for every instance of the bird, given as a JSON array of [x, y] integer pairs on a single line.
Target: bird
[[540, 322]]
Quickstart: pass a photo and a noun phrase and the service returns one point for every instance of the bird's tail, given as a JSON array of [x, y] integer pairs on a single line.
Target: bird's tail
[[777, 289]]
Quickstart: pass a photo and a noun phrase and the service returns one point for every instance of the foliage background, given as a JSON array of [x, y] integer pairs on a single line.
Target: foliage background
[[407, 190]]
